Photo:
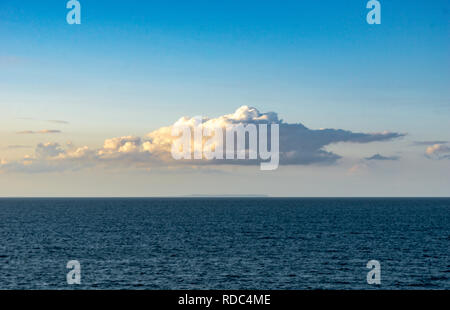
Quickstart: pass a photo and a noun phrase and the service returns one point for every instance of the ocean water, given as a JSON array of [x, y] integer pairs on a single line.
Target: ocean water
[[229, 243]]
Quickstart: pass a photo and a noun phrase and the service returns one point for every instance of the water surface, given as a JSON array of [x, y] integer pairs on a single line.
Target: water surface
[[227, 243]]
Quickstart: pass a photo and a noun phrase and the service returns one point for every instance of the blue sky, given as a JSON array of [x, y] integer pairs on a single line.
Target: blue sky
[[134, 66]]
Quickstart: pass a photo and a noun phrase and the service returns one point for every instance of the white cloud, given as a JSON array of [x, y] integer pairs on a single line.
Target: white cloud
[[299, 145], [126, 144]]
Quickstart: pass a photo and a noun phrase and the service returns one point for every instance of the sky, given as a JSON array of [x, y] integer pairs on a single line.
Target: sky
[[85, 108]]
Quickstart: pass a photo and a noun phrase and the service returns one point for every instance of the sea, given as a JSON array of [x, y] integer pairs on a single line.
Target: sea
[[225, 243]]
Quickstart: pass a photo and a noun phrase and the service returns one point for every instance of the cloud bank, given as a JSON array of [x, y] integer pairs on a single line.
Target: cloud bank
[[299, 145]]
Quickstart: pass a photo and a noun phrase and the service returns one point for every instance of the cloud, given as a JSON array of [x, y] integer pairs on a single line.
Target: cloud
[[128, 144], [44, 131], [381, 157], [302, 145], [426, 143], [25, 132], [438, 151], [48, 150], [299, 145], [56, 121]]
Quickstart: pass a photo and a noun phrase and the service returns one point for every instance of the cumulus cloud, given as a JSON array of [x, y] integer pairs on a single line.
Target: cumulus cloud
[[127, 144], [438, 151], [381, 157], [48, 150], [299, 145]]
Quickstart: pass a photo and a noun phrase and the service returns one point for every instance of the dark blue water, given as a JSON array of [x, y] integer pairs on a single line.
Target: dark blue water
[[247, 243]]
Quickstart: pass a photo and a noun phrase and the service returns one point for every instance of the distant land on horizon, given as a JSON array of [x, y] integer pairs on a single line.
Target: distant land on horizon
[[228, 196]]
